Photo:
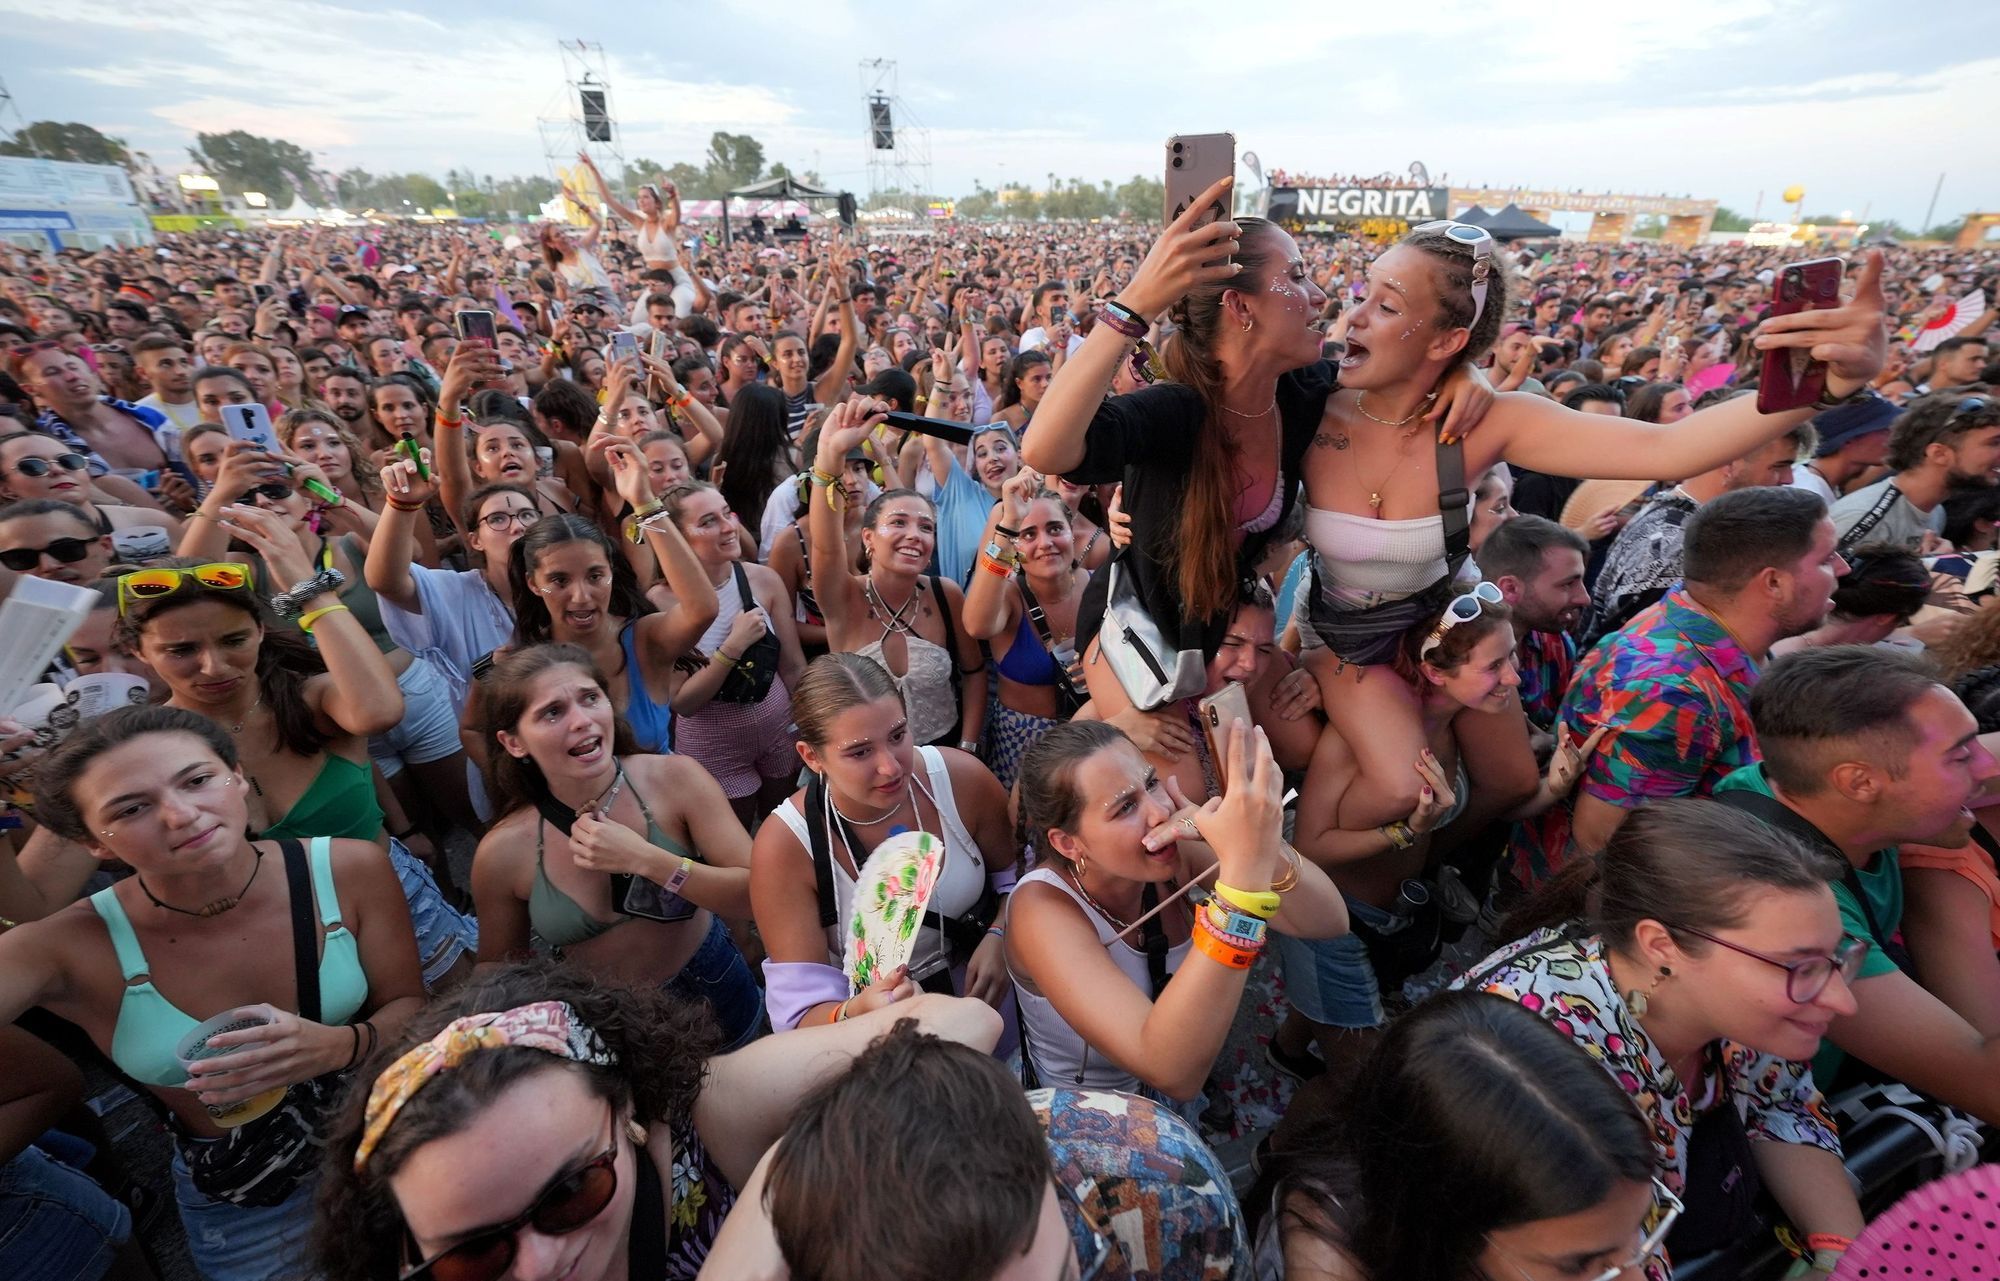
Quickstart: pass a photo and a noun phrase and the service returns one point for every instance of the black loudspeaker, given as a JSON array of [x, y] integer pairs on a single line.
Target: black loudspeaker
[[596, 123], [847, 209], [881, 128]]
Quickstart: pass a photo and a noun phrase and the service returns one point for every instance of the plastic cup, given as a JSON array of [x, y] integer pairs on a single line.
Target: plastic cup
[[194, 1047]]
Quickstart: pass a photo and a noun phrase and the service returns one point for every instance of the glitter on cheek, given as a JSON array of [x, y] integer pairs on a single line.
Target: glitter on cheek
[[1405, 335]]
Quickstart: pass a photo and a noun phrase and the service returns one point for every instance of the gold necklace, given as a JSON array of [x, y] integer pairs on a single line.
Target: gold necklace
[[1363, 410], [1259, 414]]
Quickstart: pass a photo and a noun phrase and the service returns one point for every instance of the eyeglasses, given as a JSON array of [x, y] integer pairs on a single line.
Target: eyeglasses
[[498, 522], [564, 1206], [152, 584], [1649, 1244], [66, 551], [1102, 1245], [1463, 609], [1480, 241], [39, 467], [1804, 979]]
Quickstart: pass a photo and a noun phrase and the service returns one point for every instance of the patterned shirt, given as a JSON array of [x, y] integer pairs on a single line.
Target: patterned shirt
[[1546, 661], [1140, 1190], [1676, 686], [160, 427], [1644, 560], [1566, 979]]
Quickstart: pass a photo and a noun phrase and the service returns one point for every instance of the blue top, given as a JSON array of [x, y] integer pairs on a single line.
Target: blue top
[[652, 723], [962, 508], [1027, 661], [458, 621]]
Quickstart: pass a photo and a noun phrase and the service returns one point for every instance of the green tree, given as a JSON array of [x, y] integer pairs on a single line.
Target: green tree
[[734, 159], [1076, 199], [692, 183], [1017, 201], [979, 205], [1142, 197], [246, 162], [68, 140], [1727, 219]]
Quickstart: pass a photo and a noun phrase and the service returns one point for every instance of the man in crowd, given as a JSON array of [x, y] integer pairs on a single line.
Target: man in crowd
[[111, 433], [47, 538], [1941, 443], [1538, 565], [168, 369], [1758, 565], [1852, 439], [1957, 362]]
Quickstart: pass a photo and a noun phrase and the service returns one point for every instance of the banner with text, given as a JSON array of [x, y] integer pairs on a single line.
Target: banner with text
[[1384, 211]]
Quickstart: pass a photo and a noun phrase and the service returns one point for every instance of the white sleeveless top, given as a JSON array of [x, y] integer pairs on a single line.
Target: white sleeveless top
[[657, 246], [960, 882], [1060, 1057]]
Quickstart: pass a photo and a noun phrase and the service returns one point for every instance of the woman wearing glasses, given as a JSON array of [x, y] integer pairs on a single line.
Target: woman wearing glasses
[[541, 1124], [1478, 1142], [1700, 960], [200, 929], [1374, 481], [35, 465]]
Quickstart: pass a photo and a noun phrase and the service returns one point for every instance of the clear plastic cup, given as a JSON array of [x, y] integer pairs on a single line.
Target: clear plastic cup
[[194, 1047]]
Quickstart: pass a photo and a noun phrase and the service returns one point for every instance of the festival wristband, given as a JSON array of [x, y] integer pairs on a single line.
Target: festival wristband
[[1240, 927], [1210, 945], [1264, 903], [672, 884], [307, 619]]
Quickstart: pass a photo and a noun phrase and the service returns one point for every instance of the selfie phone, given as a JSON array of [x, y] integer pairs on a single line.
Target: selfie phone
[[409, 449], [476, 327], [942, 428], [261, 291], [1221, 710], [1792, 379], [623, 344], [1196, 162], [251, 422]]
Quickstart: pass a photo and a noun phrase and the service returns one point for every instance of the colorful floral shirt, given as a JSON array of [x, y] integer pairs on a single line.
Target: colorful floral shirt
[[701, 1199], [1676, 688], [1546, 661], [1140, 1190], [1566, 979]]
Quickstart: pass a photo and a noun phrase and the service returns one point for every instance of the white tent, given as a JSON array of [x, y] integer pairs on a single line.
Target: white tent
[[889, 214]]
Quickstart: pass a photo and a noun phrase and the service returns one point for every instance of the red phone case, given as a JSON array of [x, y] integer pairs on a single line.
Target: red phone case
[[1792, 379]]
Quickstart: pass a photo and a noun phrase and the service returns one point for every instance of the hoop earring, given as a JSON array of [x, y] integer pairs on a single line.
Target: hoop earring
[[1082, 866], [1638, 1002], [1247, 324]]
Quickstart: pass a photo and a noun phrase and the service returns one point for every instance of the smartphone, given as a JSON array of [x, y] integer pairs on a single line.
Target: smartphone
[[659, 351], [945, 429], [476, 327], [1792, 379], [1196, 162], [1221, 710], [251, 422], [261, 291], [623, 344]]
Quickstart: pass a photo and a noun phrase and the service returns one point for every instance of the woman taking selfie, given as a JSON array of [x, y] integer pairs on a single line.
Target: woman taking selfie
[[1114, 996], [543, 1124], [625, 861], [317, 957], [870, 781], [1700, 959]]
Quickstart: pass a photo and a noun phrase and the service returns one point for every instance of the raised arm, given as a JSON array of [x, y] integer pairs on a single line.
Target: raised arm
[[625, 213], [393, 549], [835, 586], [992, 602], [665, 636], [470, 365]]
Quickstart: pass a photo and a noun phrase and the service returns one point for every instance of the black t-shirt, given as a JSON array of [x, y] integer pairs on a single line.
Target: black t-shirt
[[1147, 440]]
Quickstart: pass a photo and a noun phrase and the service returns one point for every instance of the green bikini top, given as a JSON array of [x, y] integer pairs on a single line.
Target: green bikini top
[[560, 919], [150, 1026], [341, 802]]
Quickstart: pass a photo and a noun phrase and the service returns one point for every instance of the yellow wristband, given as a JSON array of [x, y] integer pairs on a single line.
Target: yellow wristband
[[307, 619], [1262, 903]]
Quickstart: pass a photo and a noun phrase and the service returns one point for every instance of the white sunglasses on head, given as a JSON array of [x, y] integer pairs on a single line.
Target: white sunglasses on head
[[1480, 241]]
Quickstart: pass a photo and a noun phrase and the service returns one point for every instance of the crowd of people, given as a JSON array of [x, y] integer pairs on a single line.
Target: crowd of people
[[1600, 759]]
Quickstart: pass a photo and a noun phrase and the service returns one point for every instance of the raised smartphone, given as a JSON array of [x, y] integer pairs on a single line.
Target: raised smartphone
[[251, 422], [1196, 162], [476, 326], [1219, 711], [1792, 379]]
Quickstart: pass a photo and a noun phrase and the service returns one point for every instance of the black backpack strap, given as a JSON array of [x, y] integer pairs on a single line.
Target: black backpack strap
[[646, 1245], [1153, 939], [1454, 506], [950, 632], [1871, 518], [820, 849], [1786, 819], [305, 928], [743, 593]]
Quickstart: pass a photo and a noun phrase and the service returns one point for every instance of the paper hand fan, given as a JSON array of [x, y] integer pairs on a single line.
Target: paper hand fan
[[1954, 320], [890, 899], [1947, 1228]]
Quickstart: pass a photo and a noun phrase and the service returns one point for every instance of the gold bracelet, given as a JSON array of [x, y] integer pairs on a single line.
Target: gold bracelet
[[1291, 877]]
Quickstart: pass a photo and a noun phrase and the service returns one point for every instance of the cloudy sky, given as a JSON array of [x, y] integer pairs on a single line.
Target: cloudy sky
[[1863, 103]]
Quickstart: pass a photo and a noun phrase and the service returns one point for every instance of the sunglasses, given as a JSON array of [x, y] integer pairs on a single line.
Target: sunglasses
[[39, 467], [145, 585], [1480, 241], [1970, 405], [66, 551], [275, 491], [1463, 609], [564, 1206], [1804, 979]]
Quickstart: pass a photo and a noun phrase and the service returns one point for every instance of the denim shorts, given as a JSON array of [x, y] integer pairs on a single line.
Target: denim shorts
[[246, 1243], [429, 728], [443, 932], [55, 1222], [1331, 981], [718, 974]]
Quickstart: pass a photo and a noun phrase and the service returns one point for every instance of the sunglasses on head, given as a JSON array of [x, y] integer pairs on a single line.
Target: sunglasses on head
[[1463, 609], [565, 1205], [39, 467], [152, 584], [64, 551], [1480, 241]]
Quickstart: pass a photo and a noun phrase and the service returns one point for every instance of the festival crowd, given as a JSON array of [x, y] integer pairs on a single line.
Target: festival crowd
[[814, 760]]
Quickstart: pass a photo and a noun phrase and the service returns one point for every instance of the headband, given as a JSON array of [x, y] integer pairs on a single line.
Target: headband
[[550, 1026]]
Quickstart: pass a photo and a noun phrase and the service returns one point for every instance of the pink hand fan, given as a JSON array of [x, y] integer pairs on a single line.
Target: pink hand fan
[[1946, 1229], [890, 898]]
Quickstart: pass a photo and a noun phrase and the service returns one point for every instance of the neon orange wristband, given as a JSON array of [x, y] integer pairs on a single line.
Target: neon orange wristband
[[1210, 944]]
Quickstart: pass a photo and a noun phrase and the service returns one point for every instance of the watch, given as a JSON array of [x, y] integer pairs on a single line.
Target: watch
[[1827, 400], [291, 604]]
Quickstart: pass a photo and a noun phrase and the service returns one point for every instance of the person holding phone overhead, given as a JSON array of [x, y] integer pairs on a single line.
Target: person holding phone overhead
[[1386, 506], [625, 861]]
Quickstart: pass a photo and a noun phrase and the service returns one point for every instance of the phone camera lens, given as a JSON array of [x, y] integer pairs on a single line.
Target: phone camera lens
[[1177, 148], [1177, 162]]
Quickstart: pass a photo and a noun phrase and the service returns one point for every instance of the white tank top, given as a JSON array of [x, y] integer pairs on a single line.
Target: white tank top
[[657, 246], [960, 882], [1061, 1059]]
